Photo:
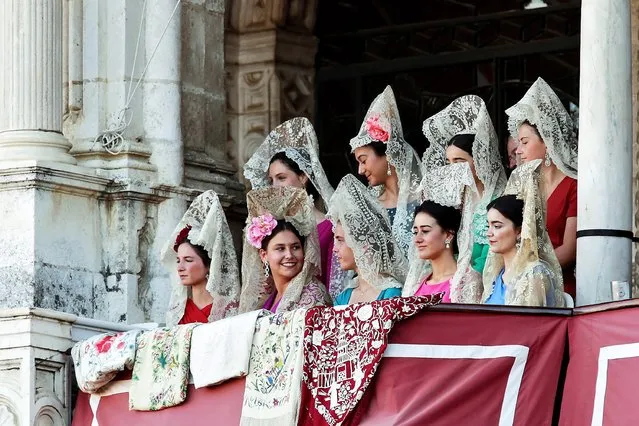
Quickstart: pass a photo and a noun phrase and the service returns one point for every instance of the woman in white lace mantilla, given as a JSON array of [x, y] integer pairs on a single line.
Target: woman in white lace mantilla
[[464, 132], [443, 241], [389, 164], [280, 258], [205, 279], [546, 131], [289, 156], [521, 268], [364, 243]]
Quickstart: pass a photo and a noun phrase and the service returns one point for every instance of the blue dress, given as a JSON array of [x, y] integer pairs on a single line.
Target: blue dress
[[498, 297], [345, 296]]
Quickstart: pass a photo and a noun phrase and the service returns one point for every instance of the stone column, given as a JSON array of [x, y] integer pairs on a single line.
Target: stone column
[[31, 82], [604, 249], [270, 69]]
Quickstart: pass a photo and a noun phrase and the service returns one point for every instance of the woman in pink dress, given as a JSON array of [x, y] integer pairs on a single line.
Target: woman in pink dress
[[289, 156], [545, 131]]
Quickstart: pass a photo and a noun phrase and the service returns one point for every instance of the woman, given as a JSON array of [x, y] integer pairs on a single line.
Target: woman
[[442, 231], [206, 284], [463, 132], [289, 157], [364, 243], [522, 268], [546, 131], [389, 164], [281, 252]]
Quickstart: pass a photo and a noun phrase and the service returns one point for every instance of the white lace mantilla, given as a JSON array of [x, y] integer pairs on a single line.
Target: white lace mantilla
[[209, 229], [296, 207], [534, 278], [297, 139], [468, 115], [402, 157], [542, 108], [368, 233], [452, 185]]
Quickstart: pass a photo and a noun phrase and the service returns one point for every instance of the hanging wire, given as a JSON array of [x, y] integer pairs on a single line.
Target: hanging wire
[[112, 139]]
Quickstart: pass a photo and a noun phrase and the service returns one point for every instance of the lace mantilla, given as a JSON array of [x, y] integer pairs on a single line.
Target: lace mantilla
[[368, 233], [452, 185], [296, 207], [209, 229], [297, 139], [541, 107], [535, 278], [401, 156], [468, 115]]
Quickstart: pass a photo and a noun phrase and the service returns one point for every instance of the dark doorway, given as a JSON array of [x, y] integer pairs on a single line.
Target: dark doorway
[[431, 52]]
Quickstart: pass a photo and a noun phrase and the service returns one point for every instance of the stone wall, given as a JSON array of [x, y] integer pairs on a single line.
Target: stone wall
[[143, 111]]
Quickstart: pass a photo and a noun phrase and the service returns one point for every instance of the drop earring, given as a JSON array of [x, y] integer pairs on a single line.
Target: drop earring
[[518, 243], [267, 269], [447, 244], [547, 160], [388, 170]]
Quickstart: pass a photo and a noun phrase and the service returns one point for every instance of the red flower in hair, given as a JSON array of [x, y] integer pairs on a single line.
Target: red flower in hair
[[377, 129], [182, 237]]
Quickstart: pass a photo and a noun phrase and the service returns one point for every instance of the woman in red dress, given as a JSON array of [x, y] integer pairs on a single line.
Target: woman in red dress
[[200, 253], [546, 131]]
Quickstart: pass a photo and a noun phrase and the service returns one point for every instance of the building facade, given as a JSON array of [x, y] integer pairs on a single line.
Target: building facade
[[115, 114]]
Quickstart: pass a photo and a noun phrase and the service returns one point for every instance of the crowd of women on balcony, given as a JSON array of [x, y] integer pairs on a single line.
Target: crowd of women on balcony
[[450, 222]]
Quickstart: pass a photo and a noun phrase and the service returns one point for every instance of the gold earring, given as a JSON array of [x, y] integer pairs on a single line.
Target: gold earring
[[547, 160], [388, 170]]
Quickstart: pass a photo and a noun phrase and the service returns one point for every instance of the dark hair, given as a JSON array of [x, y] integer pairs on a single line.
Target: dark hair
[[449, 218], [378, 147], [295, 168], [534, 128], [510, 207], [463, 141], [282, 225], [200, 251]]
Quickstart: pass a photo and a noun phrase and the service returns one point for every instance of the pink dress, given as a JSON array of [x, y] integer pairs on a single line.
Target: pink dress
[[427, 289], [325, 234]]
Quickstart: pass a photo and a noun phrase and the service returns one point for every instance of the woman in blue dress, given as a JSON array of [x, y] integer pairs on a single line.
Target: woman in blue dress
[[364, 244]]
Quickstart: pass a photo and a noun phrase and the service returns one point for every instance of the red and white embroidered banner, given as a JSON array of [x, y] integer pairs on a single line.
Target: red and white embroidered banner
[[461, 368], [439, 368], [603, 372]]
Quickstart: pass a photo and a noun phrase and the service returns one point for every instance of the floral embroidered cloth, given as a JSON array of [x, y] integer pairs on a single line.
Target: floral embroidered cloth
[[161, 370], [221, 350], [342, 349], [98, 359], [272, 390]]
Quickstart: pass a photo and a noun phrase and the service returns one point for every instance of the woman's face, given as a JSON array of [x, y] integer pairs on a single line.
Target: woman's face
[[190, 266], [370, 165], [284, 254], [458, 155], [531, 146], [430, 238], [343, 252], [502, 233], [279, 174]]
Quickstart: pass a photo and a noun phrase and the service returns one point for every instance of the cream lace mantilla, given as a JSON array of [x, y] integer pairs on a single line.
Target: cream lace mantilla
[[401, 156], [534, 279], [297, 139], [210, 230], [453, 186], [294, 206], [368, 233], [541, 107], [468, 115]]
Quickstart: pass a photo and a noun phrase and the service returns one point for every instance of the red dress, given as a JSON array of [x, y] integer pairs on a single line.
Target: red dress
[[194, 314], [561, 205]]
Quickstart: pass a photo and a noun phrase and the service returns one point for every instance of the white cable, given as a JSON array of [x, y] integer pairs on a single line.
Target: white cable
[[112, 139]]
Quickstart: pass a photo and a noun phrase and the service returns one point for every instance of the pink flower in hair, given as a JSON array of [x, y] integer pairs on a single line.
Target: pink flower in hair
[[260, 227], [376, 129]]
